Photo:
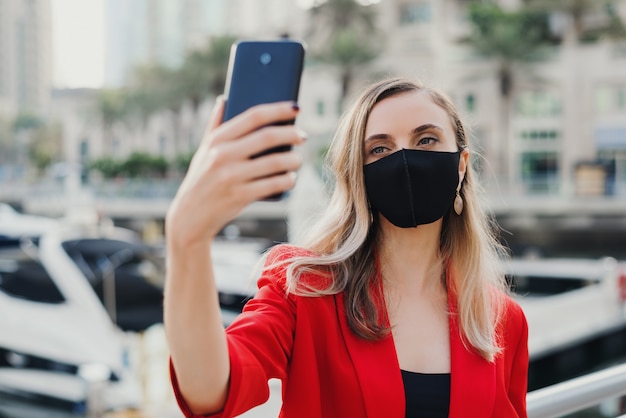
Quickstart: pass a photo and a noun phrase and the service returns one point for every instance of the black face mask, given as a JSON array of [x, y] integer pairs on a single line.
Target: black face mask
[[413, 187]]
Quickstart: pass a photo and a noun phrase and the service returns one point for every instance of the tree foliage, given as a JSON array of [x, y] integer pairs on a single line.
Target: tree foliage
[[111, 105], [26, 121], [137, 165], [109, 167], [6, 140], [154, 88], [46, 146], [343, 33], [577, 10], [30, 137], [509, 38], [141, 164], [182, 161], [203, 73]]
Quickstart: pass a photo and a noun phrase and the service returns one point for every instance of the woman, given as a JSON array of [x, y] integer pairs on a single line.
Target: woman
[[395, 306]]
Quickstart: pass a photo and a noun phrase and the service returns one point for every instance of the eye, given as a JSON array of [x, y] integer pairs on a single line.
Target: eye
[[378, 150], [427, 140]]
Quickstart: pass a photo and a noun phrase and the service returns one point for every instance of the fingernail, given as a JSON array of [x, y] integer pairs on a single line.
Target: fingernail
[[295, 106], [302, 134]]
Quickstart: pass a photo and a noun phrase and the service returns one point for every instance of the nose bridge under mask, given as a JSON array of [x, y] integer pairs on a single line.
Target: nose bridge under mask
[[409, 182]]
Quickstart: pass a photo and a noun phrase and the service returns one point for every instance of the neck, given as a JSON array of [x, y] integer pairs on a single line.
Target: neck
[[410, 259]]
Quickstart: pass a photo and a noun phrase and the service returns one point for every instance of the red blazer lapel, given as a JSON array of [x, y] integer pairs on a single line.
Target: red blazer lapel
[[473, 379], [376, 366]]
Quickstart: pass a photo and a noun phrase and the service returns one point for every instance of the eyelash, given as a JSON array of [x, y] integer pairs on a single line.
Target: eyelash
[[432, 139], [373, 150], [382, 148]]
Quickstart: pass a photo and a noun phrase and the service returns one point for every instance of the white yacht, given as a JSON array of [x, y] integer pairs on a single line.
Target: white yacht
[[68, 298], [576, 312]]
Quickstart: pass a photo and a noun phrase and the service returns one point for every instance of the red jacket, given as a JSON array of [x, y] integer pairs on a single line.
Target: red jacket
[[327, 371]]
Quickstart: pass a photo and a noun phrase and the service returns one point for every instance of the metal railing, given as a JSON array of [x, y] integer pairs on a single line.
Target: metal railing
[[577, 394], [95, 377]]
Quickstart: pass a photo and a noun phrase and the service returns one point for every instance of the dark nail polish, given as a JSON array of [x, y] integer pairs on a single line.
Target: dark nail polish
[[295, 106]]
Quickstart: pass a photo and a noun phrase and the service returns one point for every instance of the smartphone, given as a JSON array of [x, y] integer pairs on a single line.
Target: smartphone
[[263, 72]]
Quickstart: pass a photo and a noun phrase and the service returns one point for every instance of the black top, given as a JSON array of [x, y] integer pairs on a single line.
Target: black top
[[427, 395]]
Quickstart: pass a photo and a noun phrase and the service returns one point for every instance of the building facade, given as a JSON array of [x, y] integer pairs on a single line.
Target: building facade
[[156, 31], [563, 134], [565, 131], [25, 56]]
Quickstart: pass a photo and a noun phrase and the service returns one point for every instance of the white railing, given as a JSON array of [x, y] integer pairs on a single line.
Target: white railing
[[577, 394]]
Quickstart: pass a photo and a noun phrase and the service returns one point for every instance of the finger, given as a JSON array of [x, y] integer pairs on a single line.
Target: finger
[[242, 172], [270, 165], [255, 118], [269, 186], [252, 145], [268, 138], [217, 114]]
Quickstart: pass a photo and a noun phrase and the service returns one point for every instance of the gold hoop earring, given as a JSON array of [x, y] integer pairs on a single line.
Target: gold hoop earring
[[458, 202]]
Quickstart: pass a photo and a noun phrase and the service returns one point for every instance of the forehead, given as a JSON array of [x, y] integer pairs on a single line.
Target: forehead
[[406, 111]]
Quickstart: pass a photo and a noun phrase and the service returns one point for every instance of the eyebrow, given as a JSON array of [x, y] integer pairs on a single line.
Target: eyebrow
[[416, 131]]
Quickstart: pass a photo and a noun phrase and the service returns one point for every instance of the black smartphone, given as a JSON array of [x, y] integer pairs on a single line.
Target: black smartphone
[[263, 72]]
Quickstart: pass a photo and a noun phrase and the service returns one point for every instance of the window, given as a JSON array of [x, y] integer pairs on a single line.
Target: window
[[162, 144], [539, 171], [602, 100], [412, 13], [614, 161], [25, 278], [621, 98], [84, 149], [321, 108], [136, 272], [470, 103], [116, 146], [610, 99], [538, 104], [539, 136]]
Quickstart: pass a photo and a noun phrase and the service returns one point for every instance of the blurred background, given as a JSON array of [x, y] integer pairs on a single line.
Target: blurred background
[[103, 102]]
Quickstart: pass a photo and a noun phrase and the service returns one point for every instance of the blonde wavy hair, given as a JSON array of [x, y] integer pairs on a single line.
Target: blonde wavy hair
[[342, 241]]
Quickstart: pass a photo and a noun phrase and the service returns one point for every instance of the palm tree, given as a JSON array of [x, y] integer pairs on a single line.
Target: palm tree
[[7, 147], [46, 146], [24, 127], [203, 73], [578, 10], [111, 105], [510, 40], [573, 54], [142, 103], [154, 88], [343, 33]]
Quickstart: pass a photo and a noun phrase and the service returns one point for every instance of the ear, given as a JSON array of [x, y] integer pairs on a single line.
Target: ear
[[463, 161]]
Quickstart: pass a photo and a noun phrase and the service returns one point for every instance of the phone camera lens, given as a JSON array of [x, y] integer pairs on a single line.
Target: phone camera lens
[[266, 58]]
